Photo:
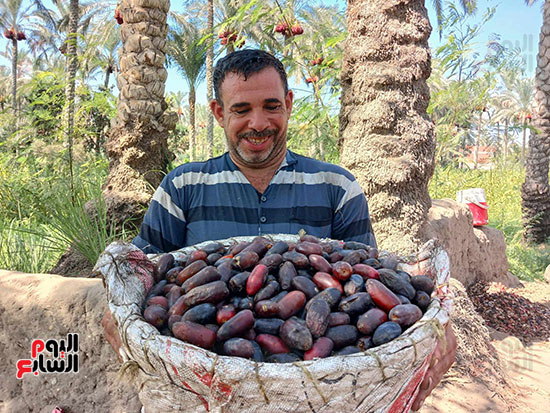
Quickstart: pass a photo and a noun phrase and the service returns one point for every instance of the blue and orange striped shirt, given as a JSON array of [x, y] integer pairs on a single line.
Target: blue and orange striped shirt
[[213, 200]]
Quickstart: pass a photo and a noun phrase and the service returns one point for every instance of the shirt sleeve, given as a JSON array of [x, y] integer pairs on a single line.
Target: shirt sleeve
[[351, 219], [163, 227]]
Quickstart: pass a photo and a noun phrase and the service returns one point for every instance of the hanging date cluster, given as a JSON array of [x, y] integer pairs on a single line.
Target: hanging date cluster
[[284, 302]]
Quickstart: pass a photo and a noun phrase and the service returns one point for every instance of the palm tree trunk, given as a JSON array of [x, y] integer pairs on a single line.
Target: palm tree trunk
[[14, 76], [107, 76], [478, 140], [137, 142], [505, 140], [387, 138], [535, 193], [192, 133], [209, 81], [523, 142], [71, 67]]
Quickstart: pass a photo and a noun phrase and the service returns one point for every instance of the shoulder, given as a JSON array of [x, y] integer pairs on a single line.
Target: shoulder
[[329, 172]]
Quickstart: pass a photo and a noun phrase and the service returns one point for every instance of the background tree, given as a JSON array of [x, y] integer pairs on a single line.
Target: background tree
[[535, 192], [187, 53], [136, 144], [209, 76], [388, 141]]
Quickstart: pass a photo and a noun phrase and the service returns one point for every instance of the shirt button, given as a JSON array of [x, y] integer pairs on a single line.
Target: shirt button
[[263, 198], [263, 219]]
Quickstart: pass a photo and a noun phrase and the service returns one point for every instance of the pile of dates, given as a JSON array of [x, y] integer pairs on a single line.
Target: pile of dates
[[284, 302]]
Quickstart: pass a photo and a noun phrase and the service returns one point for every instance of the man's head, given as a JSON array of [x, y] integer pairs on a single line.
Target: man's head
[[253, 105], [246, 62]]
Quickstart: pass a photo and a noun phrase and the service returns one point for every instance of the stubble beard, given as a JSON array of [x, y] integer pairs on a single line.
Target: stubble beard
[[257, 159]]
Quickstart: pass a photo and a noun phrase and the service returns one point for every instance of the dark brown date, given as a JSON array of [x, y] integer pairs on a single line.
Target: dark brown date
[[155, 315], [203, 314], [321, 348], [206, 275], [291, 304], [369, 322], [272, 344], [287, 272], [317, 317], [189, 271], [295, 334], [213, 292], [238, 347], [305, 285], [237, 325], [308, 248], [342, 336], [319, 263], [405, 314], [338, 318], [245, 260]]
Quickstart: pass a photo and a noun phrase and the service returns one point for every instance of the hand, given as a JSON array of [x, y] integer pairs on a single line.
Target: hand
[[439, 364], [111, 333]]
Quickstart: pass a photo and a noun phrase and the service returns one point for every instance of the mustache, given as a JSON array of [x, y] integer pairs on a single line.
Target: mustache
[[254, 134]]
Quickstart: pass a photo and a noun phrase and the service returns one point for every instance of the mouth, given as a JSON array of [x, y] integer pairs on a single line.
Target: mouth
[[257, 140]]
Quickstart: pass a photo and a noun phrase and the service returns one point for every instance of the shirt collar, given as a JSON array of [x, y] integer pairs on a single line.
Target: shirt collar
[[290, 159]]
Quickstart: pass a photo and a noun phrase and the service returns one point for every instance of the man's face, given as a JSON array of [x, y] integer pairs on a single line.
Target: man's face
[[254, 116]]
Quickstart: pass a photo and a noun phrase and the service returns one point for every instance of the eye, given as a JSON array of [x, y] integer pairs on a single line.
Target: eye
[[273, 107], [241, 111]]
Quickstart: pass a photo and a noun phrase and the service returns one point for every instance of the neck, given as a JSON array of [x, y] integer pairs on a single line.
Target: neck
[[260, 178]]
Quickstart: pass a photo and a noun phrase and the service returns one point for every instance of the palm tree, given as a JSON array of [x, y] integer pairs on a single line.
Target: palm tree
[[189, 56], [535, 192], [137, 141], [388, 139], [19, 21], [209, 77]]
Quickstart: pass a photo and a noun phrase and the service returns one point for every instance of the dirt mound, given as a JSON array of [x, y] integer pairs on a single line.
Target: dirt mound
[[44, 306]]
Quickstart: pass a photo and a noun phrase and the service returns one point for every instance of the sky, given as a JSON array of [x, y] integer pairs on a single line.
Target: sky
[[515, 23]]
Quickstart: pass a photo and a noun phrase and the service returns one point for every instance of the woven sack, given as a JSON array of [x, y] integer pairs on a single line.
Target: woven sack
[[173, 376]]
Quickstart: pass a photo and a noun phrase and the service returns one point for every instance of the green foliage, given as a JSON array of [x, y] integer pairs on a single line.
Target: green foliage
[[502, 189]]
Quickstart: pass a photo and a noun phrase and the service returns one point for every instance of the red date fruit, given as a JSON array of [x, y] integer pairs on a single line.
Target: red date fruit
[[405, 314], [259, 245], [155, 315], [287, 272], [291, 304], [194, 333], [166, 289], [309, 238], [197, 255], [225, 313], [256, 279], [158, 300], [173, 295], [237, 248], [206, 275], [317, 317], [272, 344], [366, 271], [238, 347], [321, 348], [237, 325], [369, 322], [213, 292], [381, 295], [324, 280], [245, 259], [338, 318], [342, 270], [266, 308], [308, 248], [319, 263], [179, 307], [189, 271], [295, 334]]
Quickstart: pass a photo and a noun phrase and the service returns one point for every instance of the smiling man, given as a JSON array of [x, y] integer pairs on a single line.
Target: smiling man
[[259, 186]]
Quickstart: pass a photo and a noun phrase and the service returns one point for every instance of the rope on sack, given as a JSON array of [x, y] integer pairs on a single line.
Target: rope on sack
[[312, 379], [379, 361], [260, 384]]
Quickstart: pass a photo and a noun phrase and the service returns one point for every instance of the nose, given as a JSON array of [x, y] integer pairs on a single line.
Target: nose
[[258, 121]]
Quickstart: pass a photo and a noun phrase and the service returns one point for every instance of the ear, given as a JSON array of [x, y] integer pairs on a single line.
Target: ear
[[217, 111], [288, 102]]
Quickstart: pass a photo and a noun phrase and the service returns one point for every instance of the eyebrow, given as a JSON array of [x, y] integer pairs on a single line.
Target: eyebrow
[[243, 104]]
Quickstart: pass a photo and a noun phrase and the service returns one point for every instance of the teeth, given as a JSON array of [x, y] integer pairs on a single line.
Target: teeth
[[257, 140]]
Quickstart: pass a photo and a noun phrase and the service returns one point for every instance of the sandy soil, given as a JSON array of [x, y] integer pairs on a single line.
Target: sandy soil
[[527, 369]]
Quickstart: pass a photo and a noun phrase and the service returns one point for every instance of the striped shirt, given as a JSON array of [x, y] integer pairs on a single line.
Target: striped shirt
[[213, 200]]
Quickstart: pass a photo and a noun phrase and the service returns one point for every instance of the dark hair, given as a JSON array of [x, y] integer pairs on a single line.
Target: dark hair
[[246, 62]]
